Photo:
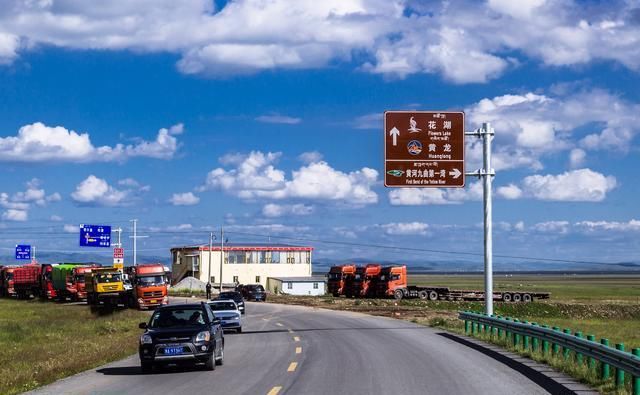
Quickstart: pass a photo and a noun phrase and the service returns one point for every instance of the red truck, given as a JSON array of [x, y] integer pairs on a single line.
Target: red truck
[[6, 281], [362, 283], [47, 291], [393, 282], [26, 280], [338, 277], [149, 285]]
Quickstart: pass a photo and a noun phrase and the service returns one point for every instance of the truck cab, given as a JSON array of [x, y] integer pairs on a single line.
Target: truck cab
[[370, 280], [47, 289], [149, 286], [6, 281], [337, 278], [104, 287], [77, 281], [392, 282]]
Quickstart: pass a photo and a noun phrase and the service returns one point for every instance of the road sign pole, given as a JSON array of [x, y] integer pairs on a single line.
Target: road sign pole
[[221, 254], [487, 174], [210, 253]]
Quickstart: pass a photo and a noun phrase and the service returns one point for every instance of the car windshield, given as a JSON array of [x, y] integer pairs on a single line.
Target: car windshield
[[109, 278], [150, 280], [9, 276], [257, 288], [222, 306], [230, 295], [79, 278], [174, 318]]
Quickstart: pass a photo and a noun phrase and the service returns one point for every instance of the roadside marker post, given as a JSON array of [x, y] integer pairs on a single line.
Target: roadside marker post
[[555, 348], [535, 345], [619, 372], [605, 371], [545, 343], [525, 340], [578, 355], [566, 350], [592, 361]]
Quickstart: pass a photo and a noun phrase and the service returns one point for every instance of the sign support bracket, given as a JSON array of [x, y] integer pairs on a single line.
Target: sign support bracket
[[486, 132]]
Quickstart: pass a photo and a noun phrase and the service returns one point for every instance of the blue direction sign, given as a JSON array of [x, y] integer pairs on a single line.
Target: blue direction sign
[[23, 252], [95, 236]]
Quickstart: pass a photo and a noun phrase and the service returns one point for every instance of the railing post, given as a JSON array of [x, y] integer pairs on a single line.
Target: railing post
[[605, 366], [566, 350], [507, 333], [635, 381], [516, 336], [545, 343], [535, 345], [499, 329], [592, 361], [466, 327], [525, 340], [579, 355], [619, 372], [555, 348]]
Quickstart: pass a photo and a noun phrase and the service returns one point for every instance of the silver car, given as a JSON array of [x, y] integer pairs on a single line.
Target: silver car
[[227, 311]]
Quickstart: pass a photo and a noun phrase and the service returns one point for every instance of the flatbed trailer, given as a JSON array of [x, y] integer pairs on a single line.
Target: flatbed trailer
[[446, 293]]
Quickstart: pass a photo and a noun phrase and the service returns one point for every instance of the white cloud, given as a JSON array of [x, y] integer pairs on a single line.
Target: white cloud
[[272, 210], [129, 182], [266, 229], [256, 177], [38, 142], [94, 191], [67, 228], [277, 118], [561, 227], [56, 218], [435, 196], [396, 37], [15, 215], [369, 121], [519, 226], [310, 157], [184, 199], [583, 185], [405, 228], [632, 225], [577, 157], [510, 191]]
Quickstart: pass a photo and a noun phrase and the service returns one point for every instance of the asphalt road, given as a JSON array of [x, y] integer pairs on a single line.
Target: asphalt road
[[299, 350]]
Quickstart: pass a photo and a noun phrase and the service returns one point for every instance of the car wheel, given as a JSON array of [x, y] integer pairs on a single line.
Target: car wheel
[[220, 361], [239, 330], [147, 367], [210, 364]]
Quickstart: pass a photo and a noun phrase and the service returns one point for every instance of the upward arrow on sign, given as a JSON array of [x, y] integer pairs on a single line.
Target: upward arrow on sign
[[394, 133]]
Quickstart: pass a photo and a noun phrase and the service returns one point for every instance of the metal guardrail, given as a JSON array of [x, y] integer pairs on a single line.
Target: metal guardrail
[[607, 356]]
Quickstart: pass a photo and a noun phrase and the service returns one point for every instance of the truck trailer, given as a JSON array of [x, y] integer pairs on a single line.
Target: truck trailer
[[26, 280], [392, 282], [69, 281]]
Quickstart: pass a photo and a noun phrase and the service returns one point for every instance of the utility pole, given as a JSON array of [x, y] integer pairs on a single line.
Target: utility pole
[[135, 238], [33, 258], [119, 233], [210, 253], [487, 174], [221, 253]]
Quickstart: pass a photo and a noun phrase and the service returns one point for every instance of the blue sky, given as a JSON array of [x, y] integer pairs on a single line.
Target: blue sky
[[266, 117]]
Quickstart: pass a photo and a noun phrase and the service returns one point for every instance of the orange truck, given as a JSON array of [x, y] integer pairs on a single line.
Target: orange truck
[[362, 283], [392, 282], [6, 281], [149, 286], [338, 277]]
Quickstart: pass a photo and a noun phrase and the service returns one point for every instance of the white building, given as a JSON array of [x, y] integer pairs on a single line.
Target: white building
[[298, 285], [243, 263]]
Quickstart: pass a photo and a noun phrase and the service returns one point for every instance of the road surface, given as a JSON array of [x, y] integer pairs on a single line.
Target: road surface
[[300, 350]]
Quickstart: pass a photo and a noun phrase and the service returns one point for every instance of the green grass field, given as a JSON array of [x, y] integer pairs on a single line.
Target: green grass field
[[44, 341]]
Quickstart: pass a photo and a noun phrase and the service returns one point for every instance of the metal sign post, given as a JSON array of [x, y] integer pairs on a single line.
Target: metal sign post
[[487, 174], [221, 254]]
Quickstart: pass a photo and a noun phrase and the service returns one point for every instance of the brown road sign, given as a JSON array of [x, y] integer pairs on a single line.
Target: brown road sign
[[423, 149]]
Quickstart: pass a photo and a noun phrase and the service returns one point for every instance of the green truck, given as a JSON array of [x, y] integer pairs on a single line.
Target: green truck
[[68, 281]]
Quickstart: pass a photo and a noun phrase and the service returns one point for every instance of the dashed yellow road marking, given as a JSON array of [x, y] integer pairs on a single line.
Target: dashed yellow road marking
[[292, 367], [279, 324], [274, 390], [296, 339], [298, 350]]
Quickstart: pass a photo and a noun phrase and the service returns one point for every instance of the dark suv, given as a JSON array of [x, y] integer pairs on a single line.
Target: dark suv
[[235, 296], [254, 292], [182, 333]]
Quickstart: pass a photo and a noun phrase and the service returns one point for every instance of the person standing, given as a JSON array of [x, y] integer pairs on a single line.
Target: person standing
[[208, 290]]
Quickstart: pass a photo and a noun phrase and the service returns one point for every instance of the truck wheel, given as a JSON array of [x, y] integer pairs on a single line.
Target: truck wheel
[[398, 294], [506, 298], [147, 367], [423, 295], [211, 363], [433, 295], [517, 298], [336, 295], [527, 298]]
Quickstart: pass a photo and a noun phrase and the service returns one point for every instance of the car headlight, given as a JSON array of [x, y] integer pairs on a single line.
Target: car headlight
[[146, 339], [236, 317], [203, 336]]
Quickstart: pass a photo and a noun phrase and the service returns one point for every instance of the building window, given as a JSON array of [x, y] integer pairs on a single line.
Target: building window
[[315, 285], [257, 279], [308, 257], [275, 256], [213, 279], [237, 257], [235, 279], [289, 285]]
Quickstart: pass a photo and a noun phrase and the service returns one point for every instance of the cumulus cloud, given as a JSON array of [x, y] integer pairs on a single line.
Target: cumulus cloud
[[272, 210], [184, 199], [435, 196], [18, 204], [510, 191], [405, 228], [256, 177], [67, 228], [277, 118], [38, 142], [561, 227], [310, 157], [94, 191], [577, 157], [394, 37], [583, 185]]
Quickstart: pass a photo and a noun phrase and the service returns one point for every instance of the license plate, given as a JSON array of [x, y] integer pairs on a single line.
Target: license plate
[[153, 301], [172, 350]]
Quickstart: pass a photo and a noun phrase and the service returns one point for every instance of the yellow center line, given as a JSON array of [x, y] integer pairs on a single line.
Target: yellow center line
[[298, 350], [296, 339], [279, 324], [292, 367], [274, 390]]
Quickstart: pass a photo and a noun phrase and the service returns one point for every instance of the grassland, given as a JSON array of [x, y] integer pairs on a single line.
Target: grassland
[[42, 341]]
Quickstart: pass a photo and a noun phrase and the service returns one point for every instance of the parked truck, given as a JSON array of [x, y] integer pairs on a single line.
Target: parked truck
[[364, 281], [6, 281], [149, 286], [392, 282], [47, 291], [69, 281], [337, 278], [104, 287], [26, 280]]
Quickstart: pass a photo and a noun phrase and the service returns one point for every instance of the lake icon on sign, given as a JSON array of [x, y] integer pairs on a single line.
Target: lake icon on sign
[[395, 173], [414, 147]]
